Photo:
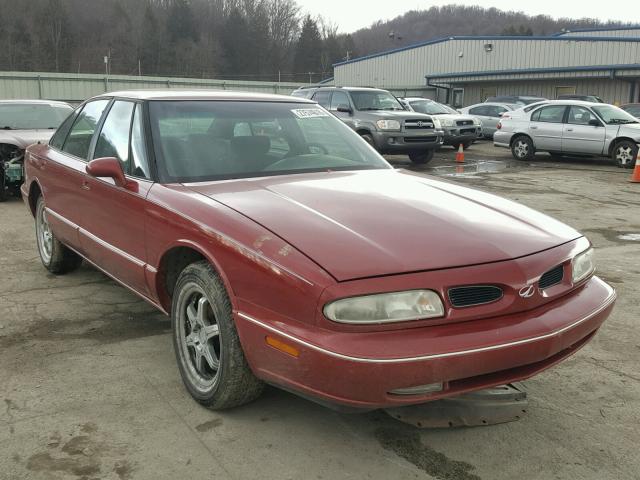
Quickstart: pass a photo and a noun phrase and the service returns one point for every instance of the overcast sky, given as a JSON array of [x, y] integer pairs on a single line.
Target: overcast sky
[[349, 15]]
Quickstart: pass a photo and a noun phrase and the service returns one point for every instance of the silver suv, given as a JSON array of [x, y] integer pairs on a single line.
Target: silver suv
[[381, 120], [564, 127]]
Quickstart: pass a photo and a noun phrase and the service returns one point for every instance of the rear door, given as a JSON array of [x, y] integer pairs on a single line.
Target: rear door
[[113, 217], [63, 171], [581, 137], [547, 126]]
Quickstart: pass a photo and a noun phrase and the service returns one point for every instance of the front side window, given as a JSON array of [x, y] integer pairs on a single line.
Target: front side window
[[552, 114], [32, 116], [273, 139], [79, 139], [339, 99], [114, 137], [580, 116]]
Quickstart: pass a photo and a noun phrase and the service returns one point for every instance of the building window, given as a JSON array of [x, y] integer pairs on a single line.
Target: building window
[[488, 92], [565, 91], [458, 97]]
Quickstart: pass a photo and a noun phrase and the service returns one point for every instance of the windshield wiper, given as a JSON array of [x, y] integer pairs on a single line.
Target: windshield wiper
[[621, 121]]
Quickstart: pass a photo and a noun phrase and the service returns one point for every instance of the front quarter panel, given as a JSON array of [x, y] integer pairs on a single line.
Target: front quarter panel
[[261, 271]]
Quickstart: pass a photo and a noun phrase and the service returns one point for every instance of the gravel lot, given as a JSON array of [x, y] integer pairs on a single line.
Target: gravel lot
[[89, 388]]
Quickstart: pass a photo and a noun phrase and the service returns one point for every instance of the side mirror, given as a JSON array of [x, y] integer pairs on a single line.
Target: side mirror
[[344, 108], [107, 167], [595, 122]]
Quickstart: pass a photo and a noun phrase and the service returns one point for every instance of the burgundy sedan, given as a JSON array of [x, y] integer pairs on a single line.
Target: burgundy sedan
[[287, 251]]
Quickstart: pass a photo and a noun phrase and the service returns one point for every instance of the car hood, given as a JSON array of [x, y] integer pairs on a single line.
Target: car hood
[[24, 138], [372, 223], [396, 115], [453, 116]]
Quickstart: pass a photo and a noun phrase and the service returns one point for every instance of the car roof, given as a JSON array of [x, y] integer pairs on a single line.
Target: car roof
[[349, 89], [415, 99], [34, 102], [204, 94]]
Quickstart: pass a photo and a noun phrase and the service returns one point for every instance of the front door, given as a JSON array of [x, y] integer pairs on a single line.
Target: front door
[[547, 126], [581, 137], [341, 99], [113, 218]]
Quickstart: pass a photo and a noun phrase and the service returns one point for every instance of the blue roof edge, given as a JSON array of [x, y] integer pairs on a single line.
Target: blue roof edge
[[594, 68], [489, 37]]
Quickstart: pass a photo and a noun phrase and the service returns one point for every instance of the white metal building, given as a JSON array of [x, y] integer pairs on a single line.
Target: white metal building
[[463, 70]]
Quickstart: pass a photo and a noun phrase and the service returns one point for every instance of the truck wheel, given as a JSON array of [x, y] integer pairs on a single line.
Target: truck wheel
[[369, 139], [55, 256], [210, 357], [522, 148], [467, 144], [420, 158], [625, 154]]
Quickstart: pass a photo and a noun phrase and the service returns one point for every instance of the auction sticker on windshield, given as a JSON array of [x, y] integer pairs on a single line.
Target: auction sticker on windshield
[[309, 113]]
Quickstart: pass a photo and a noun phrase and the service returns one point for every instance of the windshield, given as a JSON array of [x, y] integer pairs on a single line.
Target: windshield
[[32, 116], [431, 108], [198, 141], [375, 100], [614, 115]]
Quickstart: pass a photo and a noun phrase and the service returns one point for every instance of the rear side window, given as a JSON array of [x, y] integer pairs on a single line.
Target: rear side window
[[79, 139], [61, 133], [322, 98], [551, 114], [478, 110], [114, 137]]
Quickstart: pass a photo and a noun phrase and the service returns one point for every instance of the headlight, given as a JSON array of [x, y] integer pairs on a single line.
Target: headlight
[[477, 122], [436, 123], [388, 124], [447, 122], [386, 307], [582, 266]]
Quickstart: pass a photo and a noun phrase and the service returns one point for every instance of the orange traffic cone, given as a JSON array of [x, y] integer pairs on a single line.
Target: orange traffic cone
[[460, 154], [635, 176]]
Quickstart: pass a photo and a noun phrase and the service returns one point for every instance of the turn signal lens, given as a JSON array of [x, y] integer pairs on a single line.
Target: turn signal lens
[[283, 347]]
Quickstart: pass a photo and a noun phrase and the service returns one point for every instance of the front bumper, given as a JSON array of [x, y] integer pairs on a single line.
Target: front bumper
[[502, 139], [487, 352], [457, 135], [407, 141]]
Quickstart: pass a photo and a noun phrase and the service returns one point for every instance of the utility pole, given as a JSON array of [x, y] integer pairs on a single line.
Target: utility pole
[[140, 69]]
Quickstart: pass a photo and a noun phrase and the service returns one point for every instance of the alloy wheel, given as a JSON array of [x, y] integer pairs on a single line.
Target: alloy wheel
[[199, 337], [521, 149], [44, 235], [624, 155]]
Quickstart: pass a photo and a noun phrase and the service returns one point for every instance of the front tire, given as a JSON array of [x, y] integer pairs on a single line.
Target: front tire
[[3, 186], [625, 154], [210, 357], [522, 148], [369, 139], [420, 158], [56, 257]]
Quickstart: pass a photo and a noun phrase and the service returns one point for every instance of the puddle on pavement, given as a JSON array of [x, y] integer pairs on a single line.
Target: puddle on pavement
[[474, 168], [630, 237]]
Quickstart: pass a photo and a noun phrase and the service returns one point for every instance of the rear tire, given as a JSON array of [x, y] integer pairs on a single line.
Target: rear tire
[[56, 257], [420, 158], [522, 148], [3, 186], [625, 154], [466, 145], [208, 350]]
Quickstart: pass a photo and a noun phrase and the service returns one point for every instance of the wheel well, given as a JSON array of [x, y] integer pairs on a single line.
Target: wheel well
[[518, 135], [616, 141], [34, 193], [363, 131], [171, 264]]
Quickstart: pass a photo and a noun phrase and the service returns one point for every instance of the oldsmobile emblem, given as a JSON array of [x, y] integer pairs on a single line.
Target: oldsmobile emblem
[[527, 291]]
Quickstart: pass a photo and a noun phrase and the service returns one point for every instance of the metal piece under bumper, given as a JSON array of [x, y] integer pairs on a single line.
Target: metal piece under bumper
[[553, 332], [502, 139], [406, 142], [458, 135]]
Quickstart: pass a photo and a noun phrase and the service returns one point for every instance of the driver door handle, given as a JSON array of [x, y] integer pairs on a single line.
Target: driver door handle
[[569, 129], [533, 127]]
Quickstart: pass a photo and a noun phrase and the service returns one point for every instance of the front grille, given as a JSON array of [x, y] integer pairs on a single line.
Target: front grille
[[467, 130], [418, 124], [474, 295], [552, 277], [462, 123], [419, 139]]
